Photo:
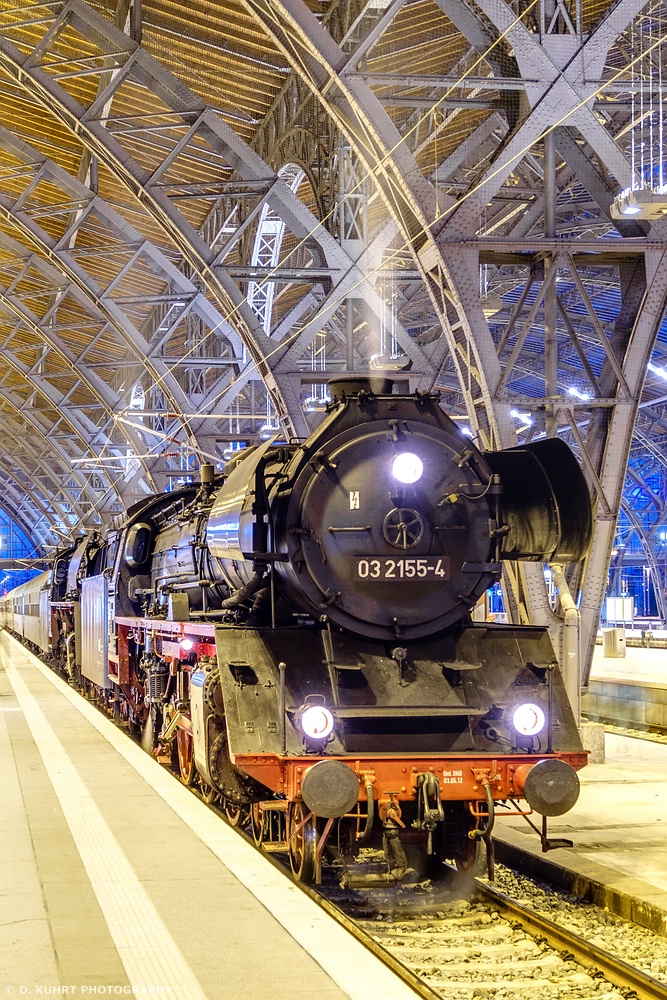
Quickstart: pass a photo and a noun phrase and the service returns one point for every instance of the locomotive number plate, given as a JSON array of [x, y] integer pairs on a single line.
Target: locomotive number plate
[[383, 568]]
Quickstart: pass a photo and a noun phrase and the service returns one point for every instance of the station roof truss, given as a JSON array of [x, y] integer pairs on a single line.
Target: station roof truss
[[208, 209]]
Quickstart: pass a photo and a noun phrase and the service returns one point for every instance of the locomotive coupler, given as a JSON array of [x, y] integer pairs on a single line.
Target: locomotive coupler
[[429, 805]]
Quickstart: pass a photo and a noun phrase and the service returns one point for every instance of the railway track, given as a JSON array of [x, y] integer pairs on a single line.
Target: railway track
[[485, 947], [491, 946], [653, 734], [616, 970]]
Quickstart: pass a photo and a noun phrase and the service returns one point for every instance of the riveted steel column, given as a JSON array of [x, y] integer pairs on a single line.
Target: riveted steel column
[[550, 296]]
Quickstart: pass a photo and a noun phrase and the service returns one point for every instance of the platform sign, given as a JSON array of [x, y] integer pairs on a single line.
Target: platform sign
[[620, 609]]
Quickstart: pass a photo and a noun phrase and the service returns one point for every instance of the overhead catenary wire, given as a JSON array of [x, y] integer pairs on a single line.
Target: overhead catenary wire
[[157, 381], [362, 180], [286, 343]]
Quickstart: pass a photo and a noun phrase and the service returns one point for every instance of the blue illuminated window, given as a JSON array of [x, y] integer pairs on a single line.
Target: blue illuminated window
[[14, 544]]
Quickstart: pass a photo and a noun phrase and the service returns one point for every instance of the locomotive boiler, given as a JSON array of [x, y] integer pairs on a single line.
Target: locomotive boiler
[[296, 634]]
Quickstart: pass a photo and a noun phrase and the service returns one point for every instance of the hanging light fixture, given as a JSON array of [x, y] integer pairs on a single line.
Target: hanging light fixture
[[647, 196], [642, 203]]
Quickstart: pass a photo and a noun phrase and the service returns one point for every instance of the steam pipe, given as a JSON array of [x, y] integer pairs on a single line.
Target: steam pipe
[[69, 655], [212, 615], [370, 815], [571, 661], [490, 806], [244, 592], [282, 667]]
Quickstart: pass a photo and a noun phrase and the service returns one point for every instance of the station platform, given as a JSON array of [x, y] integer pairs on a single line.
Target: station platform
[[619, 825], [630, 690], [619, 833], [639, 663], [115, 880]]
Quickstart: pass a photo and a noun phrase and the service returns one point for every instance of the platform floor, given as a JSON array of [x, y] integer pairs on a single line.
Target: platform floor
[[115, 880], [619, 831], [628, 691], [619, 825], [645, 666]]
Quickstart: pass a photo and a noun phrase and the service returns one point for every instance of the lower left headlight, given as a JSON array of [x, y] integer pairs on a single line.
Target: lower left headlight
[[317, 722]]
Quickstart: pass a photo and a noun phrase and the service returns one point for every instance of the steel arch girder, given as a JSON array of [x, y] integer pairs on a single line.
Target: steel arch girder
[[37, 467], [100, 299], [92, 204], [560, 96], [50, 446], [657, 501], [159, 368], [98, 499], [650, 558], [96, 138], [57, 401], [617, 449], [563, 97], [408, 196], [351, 286], [136, 62], [44, 332], [165, 214], [14, 501]]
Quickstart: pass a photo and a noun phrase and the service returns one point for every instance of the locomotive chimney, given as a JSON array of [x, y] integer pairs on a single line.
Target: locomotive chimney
[[206, 474], [352, 385]]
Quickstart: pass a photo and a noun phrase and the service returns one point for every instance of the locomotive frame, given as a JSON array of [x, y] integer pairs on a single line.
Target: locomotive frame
[[238, 625]]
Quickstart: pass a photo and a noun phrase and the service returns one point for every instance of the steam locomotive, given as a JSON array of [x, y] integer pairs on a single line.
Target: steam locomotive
[[296, 634]]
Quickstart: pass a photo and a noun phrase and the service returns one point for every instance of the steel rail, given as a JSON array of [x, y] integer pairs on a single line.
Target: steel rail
[[421, 988], [619, 972], [616, 970]]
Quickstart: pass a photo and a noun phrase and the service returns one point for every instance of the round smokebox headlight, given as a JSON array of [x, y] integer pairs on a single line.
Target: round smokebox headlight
[[316, 722], [528, 720], [407, 468]]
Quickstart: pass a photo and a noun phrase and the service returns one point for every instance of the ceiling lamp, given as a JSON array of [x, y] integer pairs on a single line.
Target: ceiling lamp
[[390, 363], [644, 203], [491, 304]]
